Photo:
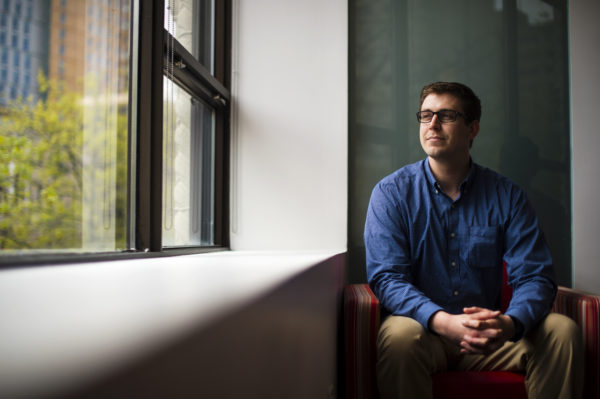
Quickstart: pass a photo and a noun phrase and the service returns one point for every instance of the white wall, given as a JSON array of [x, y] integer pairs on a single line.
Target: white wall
[[289, 125], [585, 92]]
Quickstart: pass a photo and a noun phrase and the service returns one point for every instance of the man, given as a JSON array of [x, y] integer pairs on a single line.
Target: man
[[437, 234]]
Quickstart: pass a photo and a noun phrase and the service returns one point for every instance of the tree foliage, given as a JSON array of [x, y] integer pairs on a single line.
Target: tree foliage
[[41, 170], [64, 170]]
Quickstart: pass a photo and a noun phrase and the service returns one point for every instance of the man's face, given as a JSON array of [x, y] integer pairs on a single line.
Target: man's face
[[449, 140]]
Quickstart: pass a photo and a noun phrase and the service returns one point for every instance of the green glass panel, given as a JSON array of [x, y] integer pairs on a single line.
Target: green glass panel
[[513, 54]]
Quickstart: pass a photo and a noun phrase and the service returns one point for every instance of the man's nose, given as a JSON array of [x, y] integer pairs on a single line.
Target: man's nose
[[435, 122]]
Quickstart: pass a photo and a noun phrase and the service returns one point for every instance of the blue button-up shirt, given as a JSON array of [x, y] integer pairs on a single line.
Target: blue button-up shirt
[[426, 252]]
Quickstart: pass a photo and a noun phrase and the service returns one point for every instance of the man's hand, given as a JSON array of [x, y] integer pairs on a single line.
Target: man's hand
[[486, 334], [478, 330]]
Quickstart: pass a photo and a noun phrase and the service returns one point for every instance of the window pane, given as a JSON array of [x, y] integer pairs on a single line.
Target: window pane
[[513, 54], [63, 127], [191, 22], [188, 169]]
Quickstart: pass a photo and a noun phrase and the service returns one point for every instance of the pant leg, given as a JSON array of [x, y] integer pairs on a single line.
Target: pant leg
[[551, 356], [555, 368], [407, 356]]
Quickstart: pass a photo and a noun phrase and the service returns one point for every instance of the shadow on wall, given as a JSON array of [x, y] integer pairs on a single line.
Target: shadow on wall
[[520, 160]]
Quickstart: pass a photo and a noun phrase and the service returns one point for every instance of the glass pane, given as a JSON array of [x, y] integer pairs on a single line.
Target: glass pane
[[514, 56], [191, 22], [64, 80], [188, 169]]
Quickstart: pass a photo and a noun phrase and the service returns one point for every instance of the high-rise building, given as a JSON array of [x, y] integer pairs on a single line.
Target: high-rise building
[[24, 26]]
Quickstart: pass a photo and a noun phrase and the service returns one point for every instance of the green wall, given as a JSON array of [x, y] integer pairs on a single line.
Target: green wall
[[512, 53]]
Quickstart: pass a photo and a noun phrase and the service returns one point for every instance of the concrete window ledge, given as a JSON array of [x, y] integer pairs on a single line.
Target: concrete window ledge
[[228, 324]]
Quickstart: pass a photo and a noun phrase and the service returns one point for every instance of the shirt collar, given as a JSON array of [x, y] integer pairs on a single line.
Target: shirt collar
[[465, 185]]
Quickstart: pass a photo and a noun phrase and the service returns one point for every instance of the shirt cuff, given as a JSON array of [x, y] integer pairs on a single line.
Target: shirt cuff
[[424, 314], [519, 329]]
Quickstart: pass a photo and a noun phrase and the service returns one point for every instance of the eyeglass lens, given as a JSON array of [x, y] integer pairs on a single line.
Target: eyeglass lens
[[443, 115]]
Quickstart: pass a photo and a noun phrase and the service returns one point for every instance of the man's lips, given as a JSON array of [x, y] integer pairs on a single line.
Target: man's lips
[[434, 138]]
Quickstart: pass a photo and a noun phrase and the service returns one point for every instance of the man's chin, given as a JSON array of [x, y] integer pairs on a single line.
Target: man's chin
[[435, 153]]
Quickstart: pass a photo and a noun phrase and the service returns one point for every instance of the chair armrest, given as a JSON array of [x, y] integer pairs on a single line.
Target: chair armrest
[[584, 309], [361, 324]]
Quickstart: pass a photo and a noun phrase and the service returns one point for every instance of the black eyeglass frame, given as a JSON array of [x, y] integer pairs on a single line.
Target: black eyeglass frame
[[438, 113]]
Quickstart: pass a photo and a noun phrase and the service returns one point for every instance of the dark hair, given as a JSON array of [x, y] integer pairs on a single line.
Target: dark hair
[[469, 101]]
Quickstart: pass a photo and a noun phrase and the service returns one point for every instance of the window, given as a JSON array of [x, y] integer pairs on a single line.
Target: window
[[125, 154], [194, 99]]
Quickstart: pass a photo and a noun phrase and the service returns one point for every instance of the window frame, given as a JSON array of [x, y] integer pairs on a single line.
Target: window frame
[[147, 69]]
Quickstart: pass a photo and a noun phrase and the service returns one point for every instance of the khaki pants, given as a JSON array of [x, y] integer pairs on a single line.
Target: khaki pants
[[551, 356]]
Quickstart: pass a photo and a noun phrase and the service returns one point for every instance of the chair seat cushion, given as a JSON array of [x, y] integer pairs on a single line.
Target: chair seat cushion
[[479, 384]]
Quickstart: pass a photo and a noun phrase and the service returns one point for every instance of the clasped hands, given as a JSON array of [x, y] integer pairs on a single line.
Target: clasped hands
[[477, 330]]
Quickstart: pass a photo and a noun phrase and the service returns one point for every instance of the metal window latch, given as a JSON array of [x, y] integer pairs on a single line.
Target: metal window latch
[[220, 99]]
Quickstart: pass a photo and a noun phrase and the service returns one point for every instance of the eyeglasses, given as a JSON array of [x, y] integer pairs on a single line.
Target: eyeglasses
[[444, 116]]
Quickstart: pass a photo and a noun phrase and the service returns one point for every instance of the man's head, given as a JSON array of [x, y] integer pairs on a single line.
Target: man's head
[[449, 114], [471, 106]]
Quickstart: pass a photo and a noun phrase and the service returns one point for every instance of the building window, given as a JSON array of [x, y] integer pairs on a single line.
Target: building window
[[88, 170], [190, 123]]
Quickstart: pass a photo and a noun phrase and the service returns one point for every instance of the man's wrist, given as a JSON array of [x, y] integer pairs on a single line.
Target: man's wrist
[[436, 322]]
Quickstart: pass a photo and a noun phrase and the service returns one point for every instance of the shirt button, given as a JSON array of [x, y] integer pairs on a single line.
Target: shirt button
[[455, 293], [452, 235], [453, 264]]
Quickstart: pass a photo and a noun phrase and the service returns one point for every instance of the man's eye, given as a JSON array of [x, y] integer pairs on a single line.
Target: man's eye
[[446, 115]]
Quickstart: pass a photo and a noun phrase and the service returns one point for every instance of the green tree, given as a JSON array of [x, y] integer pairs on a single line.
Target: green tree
[[64, 169], [41, 170]]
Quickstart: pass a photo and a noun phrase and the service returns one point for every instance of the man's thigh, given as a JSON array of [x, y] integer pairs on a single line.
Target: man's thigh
[[403, 340]]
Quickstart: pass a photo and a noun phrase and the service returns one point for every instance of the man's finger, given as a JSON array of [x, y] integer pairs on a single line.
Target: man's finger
[[467, 348], [481, 313], [482, 325], [478, 342], [476, 324]]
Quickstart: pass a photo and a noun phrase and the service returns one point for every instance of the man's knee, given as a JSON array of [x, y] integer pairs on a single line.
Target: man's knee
[[400, 336], [406, 358], [556, 365], [561, 328], [559, 333]]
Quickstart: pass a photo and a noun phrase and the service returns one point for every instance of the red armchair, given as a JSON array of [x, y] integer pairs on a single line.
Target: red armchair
[[361, 324]]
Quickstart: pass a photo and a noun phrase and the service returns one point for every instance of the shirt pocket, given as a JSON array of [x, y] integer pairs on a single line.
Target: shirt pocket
[[484, 246]]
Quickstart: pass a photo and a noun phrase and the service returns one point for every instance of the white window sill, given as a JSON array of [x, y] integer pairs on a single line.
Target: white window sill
[[67, 324]]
